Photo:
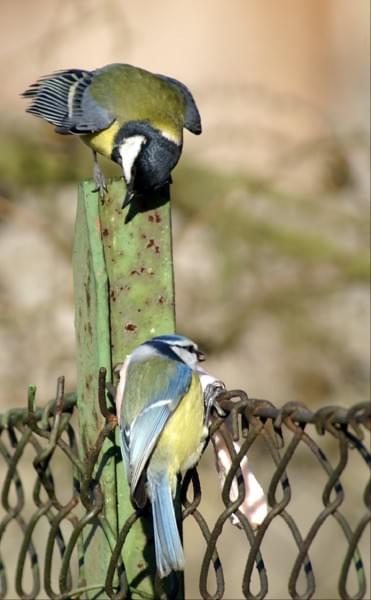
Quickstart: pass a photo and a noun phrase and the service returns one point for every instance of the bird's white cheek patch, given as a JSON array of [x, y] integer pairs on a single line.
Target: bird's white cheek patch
[[129, 151]]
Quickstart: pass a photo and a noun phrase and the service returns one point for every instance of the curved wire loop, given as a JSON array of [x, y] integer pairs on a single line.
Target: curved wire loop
[[242, 423]]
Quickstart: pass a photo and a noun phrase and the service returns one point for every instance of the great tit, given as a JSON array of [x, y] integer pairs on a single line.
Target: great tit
[[134, 117], [161, 414]]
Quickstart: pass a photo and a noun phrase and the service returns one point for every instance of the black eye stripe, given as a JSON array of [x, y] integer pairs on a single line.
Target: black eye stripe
[[188, 348]]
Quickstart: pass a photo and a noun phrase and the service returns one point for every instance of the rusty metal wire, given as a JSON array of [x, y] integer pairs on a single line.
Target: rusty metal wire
[[49, 433]]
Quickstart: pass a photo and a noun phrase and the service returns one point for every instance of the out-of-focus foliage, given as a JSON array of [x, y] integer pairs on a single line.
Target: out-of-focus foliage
[[37, 158], [251, 255]]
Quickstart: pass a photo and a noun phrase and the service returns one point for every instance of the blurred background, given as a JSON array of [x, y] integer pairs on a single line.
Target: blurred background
[[270, 203]]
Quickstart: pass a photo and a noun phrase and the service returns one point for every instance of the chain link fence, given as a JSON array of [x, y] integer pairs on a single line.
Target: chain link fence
[[42, 546]]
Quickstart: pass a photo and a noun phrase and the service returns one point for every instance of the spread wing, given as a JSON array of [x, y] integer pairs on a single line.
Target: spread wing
[[79, 101], [64, 99], [152, 392]]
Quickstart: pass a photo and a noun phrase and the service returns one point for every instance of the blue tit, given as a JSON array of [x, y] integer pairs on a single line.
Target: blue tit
[[127, 114], [161, 414]]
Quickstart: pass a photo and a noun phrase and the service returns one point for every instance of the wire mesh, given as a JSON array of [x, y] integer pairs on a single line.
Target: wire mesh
[[49, 560]]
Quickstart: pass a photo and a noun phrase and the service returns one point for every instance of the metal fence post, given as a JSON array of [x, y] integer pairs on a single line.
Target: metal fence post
[[124, 294]]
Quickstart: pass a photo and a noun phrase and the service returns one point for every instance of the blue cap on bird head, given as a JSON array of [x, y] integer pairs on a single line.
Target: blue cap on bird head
[[181, 342]]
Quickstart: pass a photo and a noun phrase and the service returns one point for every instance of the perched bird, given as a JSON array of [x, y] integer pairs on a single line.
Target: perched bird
[[161, 414], [134, 117]]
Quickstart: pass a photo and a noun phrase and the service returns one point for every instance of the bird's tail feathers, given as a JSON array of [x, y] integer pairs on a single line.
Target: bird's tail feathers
[[168, 547]]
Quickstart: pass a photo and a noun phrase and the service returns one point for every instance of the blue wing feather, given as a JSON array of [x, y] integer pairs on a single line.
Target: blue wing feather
[[139, 437], [144, 434]]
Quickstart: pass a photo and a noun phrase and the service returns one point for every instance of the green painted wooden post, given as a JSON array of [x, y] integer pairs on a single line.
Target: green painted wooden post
[[124, 292]]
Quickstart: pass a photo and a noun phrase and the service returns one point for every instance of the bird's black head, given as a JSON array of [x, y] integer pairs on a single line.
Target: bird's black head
[[146, 157]]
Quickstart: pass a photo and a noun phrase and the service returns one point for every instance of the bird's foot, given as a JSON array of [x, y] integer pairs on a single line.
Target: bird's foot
[[212, 391], [100, 181]]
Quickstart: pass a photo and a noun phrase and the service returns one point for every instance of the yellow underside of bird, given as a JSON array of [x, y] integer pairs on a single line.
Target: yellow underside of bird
[[181, 441], [103, 141]]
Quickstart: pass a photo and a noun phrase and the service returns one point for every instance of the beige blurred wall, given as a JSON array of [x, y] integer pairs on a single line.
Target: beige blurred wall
[[315, 49]]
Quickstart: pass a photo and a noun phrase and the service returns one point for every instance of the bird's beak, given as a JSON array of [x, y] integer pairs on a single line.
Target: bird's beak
[[201, 356], [128, 198]]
